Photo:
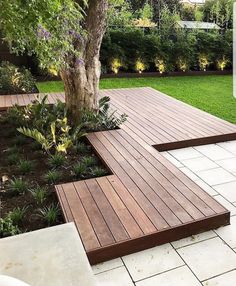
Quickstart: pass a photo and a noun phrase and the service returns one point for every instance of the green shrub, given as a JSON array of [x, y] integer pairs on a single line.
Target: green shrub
[[17, 186], [56, 160], [50, 214], [52, 177], [13, 158], [7, 228], [81, 148], [17, 214], [15, 80], [39, 194], [20, 140], [79, 170], [98, 172], [89, 160], [25, 166]]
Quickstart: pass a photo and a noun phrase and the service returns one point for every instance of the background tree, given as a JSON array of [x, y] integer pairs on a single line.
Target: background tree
[[219, 12], [66, 36]]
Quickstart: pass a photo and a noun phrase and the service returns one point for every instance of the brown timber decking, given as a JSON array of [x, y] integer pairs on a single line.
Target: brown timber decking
[[146, 201]]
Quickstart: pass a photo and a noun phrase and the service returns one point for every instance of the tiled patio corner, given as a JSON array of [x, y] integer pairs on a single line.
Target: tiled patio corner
[[152, 261]]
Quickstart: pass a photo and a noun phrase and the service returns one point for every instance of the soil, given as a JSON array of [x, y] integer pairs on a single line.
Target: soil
[[26, 148]]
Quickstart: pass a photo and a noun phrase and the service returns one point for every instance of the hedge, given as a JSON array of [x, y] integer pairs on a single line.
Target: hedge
[[138, 50]]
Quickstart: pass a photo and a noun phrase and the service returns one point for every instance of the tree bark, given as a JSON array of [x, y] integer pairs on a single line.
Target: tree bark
[[81, 81]]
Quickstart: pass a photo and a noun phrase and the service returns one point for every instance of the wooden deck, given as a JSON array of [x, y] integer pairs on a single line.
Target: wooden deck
[[146, 201]]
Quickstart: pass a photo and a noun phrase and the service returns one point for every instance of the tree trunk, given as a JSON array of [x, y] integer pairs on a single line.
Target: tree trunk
[[82, 80]]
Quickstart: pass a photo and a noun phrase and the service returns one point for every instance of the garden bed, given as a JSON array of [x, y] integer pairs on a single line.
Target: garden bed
[[28, 175]]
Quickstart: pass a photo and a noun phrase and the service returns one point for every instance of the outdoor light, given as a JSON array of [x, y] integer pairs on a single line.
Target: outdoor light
[[115, 65], [221, 63], [160, 65], [140, 66], [203, 62]]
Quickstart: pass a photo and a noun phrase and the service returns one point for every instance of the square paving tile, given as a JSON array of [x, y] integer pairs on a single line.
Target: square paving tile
[[229, 146], [200, 164], [185, 153], [206, 187], [115, 277], [227, 279], [226, 204], [216, 176], [108, 265], [153, 261], [181, 276], [228, 164], [228, 233], [172, 159], [189, 173], [193, 239], [209, 258], [214, 152], [227, 190]]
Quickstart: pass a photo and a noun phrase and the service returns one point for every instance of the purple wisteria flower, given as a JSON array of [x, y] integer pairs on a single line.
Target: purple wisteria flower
[[75, 34], [79, 61], [43, 33]]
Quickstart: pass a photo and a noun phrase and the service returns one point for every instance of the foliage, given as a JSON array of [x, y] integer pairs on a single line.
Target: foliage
[[98, 172], [79, 170], [15, 80], [39, 194], [56, 140], [25, 166], [56, 160], [219, 12], [48, 29], [17, 214], [7, 228], [174, 47], [52, 176], [203, 62], [81, 148], [89, 160], [104, 119], [140, 66], [13, 158], [50, 214], [17, 186], [116, 64]]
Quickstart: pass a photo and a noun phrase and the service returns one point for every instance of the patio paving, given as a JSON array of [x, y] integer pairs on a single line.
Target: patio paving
[[207, 259]]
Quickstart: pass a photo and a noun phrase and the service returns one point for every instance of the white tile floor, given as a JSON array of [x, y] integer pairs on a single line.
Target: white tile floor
[[207, 259]]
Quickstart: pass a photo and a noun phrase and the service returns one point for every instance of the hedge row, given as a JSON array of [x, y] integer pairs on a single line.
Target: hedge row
[[135, 49]]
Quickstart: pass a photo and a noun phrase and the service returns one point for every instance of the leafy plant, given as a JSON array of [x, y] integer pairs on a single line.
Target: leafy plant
[[15, 80], [20, 140], [12, 149], [15, 115], [17, 214], [39, 194], [98, 172], [79, 170], [89, 160], [104, 119], [17, 186], [7, 228], [50, 213], [25, 166], [58, 139], [13, 158], [56, 160], [81, 147], [52, 177]]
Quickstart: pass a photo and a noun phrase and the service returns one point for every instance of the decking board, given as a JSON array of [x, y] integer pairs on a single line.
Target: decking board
[[146, 201]]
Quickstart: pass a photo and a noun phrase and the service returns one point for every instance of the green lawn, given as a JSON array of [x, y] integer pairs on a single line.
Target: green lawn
[[210, 93]]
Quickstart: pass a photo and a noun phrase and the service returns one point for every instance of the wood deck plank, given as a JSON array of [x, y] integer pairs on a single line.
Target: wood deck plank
[[146, 201]]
